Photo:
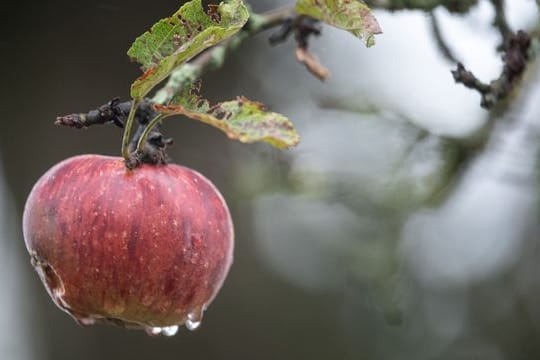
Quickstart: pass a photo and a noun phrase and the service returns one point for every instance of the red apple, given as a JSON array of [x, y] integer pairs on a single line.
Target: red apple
[[147, 248]]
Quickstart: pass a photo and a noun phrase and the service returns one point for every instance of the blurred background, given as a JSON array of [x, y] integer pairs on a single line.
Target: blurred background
[[404, 226]]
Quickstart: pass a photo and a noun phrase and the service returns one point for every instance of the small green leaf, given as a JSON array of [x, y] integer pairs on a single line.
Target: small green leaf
[[241, 119], [351, 15], [175, 40]]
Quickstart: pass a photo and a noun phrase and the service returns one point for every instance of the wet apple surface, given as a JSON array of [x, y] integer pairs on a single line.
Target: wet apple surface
[[147, 248]]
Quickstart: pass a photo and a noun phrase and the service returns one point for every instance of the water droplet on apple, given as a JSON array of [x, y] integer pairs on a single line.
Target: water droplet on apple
[[194, 319], [152, 331], [165, 331], [86, 321], [192, 325], [169, 330]]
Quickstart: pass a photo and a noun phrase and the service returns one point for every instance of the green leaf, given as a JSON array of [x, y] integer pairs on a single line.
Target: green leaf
[[241, 119], [175, 40], [351, 15]]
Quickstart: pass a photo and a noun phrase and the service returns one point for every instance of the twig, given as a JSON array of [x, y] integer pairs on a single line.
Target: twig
[[439, 40], [312, 64], [303, 27], [467, 78], [457, 6], [515, 60], [153, 149], [112, 112], [126, 137], [500, 21]]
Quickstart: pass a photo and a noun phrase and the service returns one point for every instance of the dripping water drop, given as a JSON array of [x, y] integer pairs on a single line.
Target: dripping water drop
[[169, 330], [192, 325], [86, 321], [194, 319], [165, 331], [153, 331]]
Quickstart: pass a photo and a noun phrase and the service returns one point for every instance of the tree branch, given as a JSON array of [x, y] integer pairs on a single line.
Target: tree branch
[[303, 27], [116, 112], [439, 40], [500, 21], [515, 60], [457, 6]]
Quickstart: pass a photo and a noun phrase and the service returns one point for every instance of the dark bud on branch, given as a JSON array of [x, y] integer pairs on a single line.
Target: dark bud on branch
[[303, 27], [283, 33], [154, 151]]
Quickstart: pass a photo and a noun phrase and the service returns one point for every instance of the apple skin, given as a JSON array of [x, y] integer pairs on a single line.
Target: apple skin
[[141, 248]]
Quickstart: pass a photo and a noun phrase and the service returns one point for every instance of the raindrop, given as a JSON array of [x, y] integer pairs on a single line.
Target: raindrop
[[165, 331], [194, 319], [153, 331], [86, 321], [192, 325], [169, 330]]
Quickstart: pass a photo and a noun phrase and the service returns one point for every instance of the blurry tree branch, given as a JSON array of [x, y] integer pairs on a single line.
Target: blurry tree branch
[[515, 57], [515, 60], [458, 6], [500, 21], [440, 41], [515, 49]]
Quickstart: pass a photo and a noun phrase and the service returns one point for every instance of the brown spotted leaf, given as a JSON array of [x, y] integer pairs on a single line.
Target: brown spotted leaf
[[241, 119], [351, 15], [175, 40]]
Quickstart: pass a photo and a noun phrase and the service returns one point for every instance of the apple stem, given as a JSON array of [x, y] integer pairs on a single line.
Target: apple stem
[[127, 129]]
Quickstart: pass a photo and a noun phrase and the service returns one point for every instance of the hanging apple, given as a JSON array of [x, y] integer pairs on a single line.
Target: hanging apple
[[145, 248]]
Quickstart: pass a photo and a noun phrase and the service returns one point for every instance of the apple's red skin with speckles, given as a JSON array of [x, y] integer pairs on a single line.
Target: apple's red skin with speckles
[[139, 248]]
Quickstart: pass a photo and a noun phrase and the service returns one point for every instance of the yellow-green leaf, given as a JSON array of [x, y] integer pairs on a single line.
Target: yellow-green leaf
[[241, 119], [175, 40], [351, 15]]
